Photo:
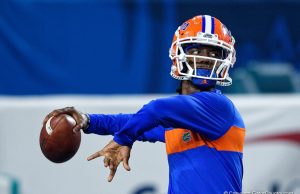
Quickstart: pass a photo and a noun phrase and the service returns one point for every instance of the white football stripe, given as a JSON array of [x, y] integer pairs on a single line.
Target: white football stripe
[[48, 126], [208, 24]]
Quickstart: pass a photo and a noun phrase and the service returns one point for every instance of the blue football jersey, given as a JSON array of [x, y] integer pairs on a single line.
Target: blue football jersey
[[204, 137]]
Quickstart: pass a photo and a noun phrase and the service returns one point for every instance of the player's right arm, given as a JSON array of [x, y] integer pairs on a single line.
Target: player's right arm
[[106, 124], [109, 124]]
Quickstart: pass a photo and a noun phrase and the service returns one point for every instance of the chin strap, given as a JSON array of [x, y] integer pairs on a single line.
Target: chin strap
[[226, 82]]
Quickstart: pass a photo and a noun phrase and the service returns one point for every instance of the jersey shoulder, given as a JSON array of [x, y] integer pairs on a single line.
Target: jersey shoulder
[[215, 100]]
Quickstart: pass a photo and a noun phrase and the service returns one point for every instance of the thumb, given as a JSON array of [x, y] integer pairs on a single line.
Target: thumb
[[77, 128]]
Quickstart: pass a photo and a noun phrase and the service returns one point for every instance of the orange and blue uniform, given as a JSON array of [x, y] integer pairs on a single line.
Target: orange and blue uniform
[[204, 137]]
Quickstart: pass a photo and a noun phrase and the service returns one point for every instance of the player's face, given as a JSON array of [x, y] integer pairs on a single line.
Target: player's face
[[203, 51]]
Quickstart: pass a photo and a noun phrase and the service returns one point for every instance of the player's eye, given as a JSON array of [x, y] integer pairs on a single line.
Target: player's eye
[[195, 52], [215, 54]]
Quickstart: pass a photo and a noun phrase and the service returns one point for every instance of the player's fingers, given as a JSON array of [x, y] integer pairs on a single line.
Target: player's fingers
[[114, 164], [111, 166], [106, 162], [66, 110], [70, 109], [52, 114], [57, 112], [126, 163], [95, 155], [79, 120], [111, 174], [77, 116], [48, 117]]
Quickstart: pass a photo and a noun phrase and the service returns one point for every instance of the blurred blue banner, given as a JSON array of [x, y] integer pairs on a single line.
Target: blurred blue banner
[[121, 46]]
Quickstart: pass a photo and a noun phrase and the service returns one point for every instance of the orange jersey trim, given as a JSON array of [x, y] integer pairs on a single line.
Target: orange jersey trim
[[175, 143], [179, 140]]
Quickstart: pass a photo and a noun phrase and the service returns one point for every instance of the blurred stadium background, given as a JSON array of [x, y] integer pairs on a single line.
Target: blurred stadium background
[[111, 56]]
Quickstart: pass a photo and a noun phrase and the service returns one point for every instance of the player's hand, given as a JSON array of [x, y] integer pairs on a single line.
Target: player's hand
[[80, 118], [114, 154]]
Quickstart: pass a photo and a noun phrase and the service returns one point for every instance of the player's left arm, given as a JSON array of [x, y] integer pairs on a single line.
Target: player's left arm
[[199, 114]]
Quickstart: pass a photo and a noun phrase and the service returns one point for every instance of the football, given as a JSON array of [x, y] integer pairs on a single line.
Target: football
[[58, 142]]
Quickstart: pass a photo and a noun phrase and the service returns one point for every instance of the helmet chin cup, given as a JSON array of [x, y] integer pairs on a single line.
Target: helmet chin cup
[[202, 82], [226, 82]]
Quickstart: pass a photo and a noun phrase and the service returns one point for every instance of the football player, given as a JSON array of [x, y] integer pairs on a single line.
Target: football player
[[203, 130]]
